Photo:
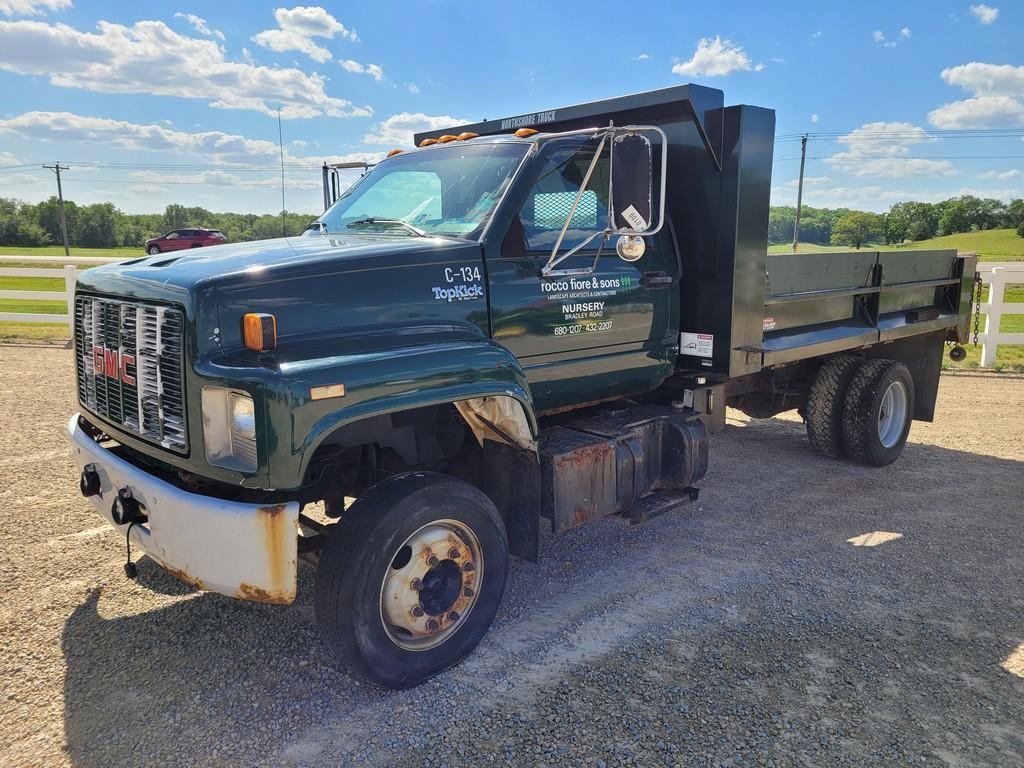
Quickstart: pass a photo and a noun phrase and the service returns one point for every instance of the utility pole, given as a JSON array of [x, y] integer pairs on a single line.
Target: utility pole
[[57, 168], [280, 143], [800, 192]]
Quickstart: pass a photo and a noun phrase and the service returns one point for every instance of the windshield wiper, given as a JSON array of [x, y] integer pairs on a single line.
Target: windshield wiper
[[378, 220]]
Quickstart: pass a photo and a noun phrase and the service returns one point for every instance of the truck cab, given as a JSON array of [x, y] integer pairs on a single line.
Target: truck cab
[[535, 319]]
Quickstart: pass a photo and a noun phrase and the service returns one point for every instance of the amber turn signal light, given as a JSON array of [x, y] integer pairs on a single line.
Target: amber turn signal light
[[259, 331]]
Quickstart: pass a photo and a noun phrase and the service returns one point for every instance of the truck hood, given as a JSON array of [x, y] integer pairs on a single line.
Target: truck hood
[[316, 286], [173, 276]]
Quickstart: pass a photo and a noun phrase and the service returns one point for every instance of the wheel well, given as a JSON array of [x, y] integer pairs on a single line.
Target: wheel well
[[363, 452]]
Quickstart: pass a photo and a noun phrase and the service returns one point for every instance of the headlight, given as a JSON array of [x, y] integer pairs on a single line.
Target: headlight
[[229, 429], [243, 415]]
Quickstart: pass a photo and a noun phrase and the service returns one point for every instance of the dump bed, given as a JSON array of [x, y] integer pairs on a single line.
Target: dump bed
[[821, 303]]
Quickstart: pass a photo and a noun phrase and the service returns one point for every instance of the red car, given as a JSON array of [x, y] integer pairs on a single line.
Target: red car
[[178, 239]]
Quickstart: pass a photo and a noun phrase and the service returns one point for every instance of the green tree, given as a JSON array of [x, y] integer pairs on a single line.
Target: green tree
[[857, 228]]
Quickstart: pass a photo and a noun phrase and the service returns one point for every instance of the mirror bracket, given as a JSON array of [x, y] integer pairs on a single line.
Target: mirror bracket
[[615, 134]]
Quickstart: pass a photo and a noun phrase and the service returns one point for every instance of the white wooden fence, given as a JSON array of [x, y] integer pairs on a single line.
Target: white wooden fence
[[997, 275], [70, 275]]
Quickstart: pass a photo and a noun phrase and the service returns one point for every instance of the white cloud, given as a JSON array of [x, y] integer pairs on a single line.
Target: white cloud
[[373, 70], [879, 36], [814, 117], [6, 158], [643, 57], [905, 33], [200, 25], [815, 36], [882, 149], [1013, 173], [296, 28], [985, 14], [413, 88], [216, 147], [31, 7], [149, 57], [715, 57], [398, 130], [997, 91]]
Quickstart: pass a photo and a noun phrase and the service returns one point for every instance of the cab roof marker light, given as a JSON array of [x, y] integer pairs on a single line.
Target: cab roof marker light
[[428, 142], [446, 138], [466, 135], [525, 133], [395, 151]]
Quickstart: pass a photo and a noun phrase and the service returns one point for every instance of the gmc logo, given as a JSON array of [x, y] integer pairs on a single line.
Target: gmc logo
[[108, 362]]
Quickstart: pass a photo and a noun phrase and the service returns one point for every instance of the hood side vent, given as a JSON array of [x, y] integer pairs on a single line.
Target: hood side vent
[[165, 262]]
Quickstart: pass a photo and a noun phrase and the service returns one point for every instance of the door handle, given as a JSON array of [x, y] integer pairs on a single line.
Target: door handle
[[656, 280]]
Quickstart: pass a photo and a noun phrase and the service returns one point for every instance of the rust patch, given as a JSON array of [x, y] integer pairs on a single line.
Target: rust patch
[[277, 535], [186, 577], [274, 510], [256, 594]]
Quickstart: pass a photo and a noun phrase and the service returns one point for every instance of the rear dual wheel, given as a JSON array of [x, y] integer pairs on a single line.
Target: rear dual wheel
[[411, 577], [860, 409]]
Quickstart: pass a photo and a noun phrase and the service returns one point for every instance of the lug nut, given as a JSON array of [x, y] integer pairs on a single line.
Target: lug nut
[[453, 616], [453, 553], [468, 566], [468, 591], [417, 584], [432, 561], [417, 611], [432, 625]]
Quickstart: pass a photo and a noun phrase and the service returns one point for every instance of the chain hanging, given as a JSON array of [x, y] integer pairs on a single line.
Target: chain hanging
[[977, 306]]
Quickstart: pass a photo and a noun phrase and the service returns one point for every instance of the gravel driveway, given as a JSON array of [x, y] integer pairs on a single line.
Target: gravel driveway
[[744, 629]]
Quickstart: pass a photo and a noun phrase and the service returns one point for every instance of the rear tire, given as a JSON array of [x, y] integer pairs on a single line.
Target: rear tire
[[411, 577], [825, 401], [877, 413], [153, 250]]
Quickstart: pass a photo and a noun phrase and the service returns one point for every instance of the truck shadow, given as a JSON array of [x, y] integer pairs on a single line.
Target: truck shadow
[[216, 673]]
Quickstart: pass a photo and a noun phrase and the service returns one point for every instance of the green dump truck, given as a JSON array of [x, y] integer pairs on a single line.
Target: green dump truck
[[534, 319]]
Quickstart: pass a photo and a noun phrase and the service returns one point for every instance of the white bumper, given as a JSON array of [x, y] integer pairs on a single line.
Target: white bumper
[[242, 550]]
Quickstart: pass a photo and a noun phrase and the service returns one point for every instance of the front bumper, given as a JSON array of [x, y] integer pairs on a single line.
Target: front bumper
[[242, 550]]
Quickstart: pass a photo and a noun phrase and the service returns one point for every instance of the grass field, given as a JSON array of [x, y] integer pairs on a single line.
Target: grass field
[[991, 245], [58, 250]]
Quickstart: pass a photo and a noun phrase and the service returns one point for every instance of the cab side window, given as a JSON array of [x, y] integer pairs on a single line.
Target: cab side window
[[546, 207]]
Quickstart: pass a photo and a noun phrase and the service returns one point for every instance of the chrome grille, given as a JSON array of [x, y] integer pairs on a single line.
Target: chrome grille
[[130, 367]]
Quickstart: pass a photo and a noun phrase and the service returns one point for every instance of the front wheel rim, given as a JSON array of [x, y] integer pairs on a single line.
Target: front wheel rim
[[892, 414], [431, 585]]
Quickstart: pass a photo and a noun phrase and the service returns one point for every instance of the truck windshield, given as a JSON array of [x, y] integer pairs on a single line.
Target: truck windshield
[[448, 190]]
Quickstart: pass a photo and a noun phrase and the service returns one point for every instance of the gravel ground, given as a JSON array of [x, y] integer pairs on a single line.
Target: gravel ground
[[743, 629]]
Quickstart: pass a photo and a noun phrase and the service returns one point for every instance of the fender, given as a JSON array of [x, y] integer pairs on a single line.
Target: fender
[[380, 382]]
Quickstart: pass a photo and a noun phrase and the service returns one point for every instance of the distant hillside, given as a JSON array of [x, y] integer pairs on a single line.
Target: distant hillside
[[990, 245]]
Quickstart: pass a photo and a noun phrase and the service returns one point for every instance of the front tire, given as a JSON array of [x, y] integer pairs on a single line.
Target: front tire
[[411, 578], [877, 412], [153, 250]]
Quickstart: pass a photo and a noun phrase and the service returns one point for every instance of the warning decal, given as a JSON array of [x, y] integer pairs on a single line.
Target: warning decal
[[696, 344]]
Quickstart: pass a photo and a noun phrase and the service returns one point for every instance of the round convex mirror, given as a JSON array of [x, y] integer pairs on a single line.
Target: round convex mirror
[[630, 247]]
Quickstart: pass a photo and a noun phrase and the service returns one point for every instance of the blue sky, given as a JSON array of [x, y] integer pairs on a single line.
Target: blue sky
[[152, 103]]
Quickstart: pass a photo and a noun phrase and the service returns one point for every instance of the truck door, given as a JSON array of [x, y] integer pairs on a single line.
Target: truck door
[[587, 336]]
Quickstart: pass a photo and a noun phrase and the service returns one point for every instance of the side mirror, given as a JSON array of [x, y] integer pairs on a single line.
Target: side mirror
[[631, 212], [632, 183]]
